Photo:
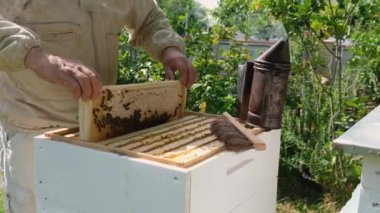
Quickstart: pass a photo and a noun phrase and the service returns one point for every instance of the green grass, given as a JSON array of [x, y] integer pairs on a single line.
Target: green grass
[[298, 195], [2, 202]]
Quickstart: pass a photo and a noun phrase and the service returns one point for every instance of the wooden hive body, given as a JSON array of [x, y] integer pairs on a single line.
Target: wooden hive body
[[72, 178]]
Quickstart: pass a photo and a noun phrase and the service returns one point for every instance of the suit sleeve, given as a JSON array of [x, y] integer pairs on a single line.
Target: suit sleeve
[[149, 28], [15, 40]]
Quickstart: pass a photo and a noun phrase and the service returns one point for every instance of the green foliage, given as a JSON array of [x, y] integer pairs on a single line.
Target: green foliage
[[184, 15], [135, 66], [326, 95], [2, 202], [216, 87], [366, 59], [217, 70], [324, 101], [249, 18]]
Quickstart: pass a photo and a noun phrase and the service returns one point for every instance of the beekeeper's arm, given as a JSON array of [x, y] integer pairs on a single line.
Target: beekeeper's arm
[[149, 29], [20, 49]]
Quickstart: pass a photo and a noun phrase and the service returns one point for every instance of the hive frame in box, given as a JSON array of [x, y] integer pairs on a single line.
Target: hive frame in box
[[182, 142], [122, 109]]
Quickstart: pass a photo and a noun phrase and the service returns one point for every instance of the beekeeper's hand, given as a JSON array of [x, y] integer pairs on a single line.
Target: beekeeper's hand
[[82, 81], [174, 60]]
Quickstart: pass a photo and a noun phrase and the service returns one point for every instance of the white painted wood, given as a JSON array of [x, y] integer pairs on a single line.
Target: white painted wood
[[370, 177], [364, 139], [77, 179], [353, 204], [364, 136], [369, 200], [228, 181]]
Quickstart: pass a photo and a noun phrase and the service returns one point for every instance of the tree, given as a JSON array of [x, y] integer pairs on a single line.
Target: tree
[[321, 102], [184, 15], [215, 90], [136, 66], [249, 18], [326, 96]]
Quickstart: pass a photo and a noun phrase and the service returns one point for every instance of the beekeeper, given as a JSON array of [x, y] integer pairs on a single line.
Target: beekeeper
[[55, 52]]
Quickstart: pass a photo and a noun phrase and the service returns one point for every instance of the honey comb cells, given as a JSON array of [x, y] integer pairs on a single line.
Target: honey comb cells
[[128, 108]]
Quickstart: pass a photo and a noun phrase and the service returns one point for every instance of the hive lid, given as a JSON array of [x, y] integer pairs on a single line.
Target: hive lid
[[364, 137], [277, 53]]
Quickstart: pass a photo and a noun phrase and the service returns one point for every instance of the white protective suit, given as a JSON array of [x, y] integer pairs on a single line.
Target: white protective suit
[[86, 30]]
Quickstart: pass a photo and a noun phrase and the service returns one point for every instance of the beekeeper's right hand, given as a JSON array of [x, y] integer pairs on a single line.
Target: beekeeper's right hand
[[82, 81]]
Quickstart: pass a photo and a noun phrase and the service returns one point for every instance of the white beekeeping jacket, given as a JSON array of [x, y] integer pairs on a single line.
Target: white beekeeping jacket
[[86, 30]]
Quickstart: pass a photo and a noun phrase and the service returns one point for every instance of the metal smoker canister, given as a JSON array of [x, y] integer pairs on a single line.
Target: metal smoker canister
[[270, 79], [245, 77]]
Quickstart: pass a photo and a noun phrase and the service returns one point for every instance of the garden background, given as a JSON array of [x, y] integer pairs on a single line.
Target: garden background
[[335, 54]]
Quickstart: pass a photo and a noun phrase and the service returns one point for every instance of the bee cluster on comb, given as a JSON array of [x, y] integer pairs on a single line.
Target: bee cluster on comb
[[233, 139], [234, 135]]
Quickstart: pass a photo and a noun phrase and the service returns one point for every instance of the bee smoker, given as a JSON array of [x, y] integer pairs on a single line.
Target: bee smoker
[[245, 73], [270, 79]]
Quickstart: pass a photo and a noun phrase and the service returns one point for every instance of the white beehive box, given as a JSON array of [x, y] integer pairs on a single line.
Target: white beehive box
[[72, 178], [364, 139]]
